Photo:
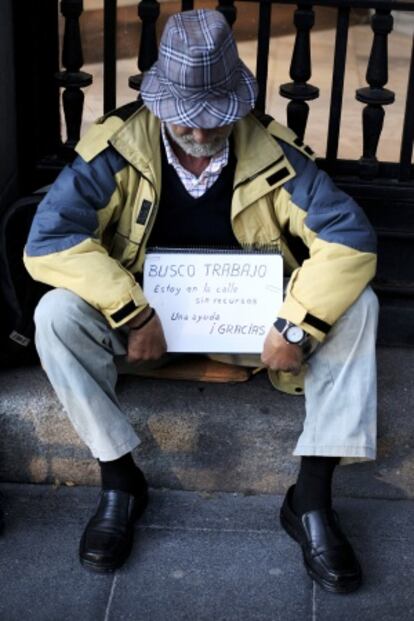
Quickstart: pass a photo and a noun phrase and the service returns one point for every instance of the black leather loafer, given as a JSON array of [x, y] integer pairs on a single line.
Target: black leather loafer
[[328, 556], [109, 534]]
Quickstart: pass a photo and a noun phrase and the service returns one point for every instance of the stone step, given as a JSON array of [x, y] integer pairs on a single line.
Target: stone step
[[205, 437]]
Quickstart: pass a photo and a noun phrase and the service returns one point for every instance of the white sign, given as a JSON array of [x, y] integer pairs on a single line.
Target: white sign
[[216, 302]]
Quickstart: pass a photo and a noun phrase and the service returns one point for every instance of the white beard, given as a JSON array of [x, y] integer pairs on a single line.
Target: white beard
[[191, 147]]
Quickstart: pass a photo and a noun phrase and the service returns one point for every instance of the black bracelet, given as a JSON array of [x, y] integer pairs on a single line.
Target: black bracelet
[[146, 320]]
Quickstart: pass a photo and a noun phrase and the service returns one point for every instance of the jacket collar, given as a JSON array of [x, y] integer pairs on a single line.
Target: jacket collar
[[252, 161], [138, 141], [261, 163], [258, 170]]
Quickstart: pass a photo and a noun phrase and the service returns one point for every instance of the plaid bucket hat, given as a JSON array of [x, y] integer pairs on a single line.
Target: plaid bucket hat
[[198, 80]]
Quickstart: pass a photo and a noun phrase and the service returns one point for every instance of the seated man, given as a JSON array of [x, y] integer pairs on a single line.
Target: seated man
[[192, 166]]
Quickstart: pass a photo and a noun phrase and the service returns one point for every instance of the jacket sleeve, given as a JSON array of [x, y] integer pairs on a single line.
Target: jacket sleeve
[[341, 243], [65, 249]]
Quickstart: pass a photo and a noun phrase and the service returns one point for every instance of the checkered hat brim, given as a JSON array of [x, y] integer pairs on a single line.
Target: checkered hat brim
[[199, 79]]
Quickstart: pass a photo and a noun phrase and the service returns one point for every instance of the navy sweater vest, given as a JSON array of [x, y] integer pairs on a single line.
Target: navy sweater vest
[[184, 221]]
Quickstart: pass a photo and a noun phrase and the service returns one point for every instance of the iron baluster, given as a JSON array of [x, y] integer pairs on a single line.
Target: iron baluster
[[263, 41], [298, 91], [109, 67], [227, 8], [148, 12], [337, 88], [408, 127], [71, 79], [375, 96]]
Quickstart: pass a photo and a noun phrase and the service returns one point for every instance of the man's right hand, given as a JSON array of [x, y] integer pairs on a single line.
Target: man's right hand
[[148, 342]]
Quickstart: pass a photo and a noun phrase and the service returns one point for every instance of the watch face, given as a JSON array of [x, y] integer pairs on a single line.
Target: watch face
[[294, 334]]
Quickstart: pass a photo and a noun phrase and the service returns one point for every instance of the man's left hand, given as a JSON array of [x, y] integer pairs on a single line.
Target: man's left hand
[[279, 355]]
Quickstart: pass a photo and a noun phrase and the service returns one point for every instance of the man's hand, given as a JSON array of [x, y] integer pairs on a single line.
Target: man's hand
[[148, 342], [279, 355]]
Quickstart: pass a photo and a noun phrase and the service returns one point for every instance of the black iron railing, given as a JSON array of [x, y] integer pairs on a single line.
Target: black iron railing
[[375, 97]]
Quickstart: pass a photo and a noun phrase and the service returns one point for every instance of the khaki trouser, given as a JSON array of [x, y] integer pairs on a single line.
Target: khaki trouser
[[79, 352]]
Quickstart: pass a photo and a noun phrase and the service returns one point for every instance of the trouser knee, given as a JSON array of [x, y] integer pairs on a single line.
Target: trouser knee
[[365, 309], [354, 334], [59, 312]]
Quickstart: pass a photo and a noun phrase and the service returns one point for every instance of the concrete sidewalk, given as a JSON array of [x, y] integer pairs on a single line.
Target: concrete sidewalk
[[197, 557]]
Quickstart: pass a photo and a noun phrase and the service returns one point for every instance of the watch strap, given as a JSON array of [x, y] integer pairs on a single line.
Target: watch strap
[[281, 324]]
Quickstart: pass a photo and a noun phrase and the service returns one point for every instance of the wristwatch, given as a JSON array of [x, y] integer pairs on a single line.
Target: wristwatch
[[291, 332]]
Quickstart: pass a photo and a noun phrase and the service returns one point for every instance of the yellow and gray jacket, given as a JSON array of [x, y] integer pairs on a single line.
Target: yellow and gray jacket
[[90, 231]]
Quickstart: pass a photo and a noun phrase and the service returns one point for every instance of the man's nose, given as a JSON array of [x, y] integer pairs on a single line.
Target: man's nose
[[201, 135]]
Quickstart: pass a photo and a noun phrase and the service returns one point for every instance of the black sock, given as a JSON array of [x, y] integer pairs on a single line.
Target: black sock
[[313, 487], [123, 474]]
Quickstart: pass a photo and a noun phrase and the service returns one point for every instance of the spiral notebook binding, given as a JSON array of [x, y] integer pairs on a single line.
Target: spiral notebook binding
[[244, 249]]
